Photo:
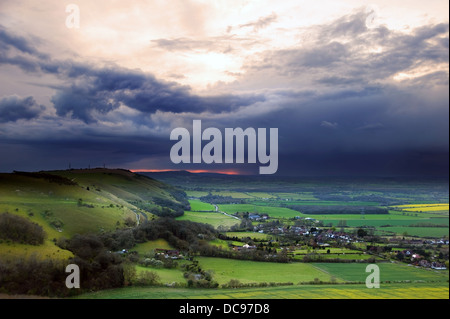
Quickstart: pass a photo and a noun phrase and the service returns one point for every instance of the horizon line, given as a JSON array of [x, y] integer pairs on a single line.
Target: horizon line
[[194, 171]]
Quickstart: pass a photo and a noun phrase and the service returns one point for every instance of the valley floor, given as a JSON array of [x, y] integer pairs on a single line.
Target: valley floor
[[438, 290]]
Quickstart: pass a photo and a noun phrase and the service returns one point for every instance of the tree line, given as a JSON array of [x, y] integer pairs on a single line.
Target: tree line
[[101, 266], [341, 209]]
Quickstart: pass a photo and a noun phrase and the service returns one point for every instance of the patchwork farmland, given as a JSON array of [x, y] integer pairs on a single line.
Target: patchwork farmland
[[227, 236]]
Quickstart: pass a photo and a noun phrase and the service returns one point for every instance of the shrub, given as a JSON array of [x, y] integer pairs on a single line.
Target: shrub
[[34, 276], [147, 278], [21, 230]]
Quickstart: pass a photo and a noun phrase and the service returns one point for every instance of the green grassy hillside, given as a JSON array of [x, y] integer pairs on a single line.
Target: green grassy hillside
[[80, 201]]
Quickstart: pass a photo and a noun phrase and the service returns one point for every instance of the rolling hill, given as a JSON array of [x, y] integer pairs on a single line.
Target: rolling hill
[[68, 202]]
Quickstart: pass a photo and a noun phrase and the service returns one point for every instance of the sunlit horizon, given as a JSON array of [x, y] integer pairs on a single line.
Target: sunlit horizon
[[195, 171]]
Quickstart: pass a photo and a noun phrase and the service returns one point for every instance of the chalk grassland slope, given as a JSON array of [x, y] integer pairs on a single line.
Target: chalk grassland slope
[[77, 201], [120, 183]]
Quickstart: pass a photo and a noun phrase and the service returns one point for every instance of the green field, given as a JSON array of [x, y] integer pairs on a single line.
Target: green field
[[224, 244], [426, 232], [333, 250], [72, 202], [381, 217], [335, 253], [388, 272], [82, 201], [284, 212], [386, 291], [398, 281], [331, 203], [349, 257], [199, 206], [252, 271], [214, 219]]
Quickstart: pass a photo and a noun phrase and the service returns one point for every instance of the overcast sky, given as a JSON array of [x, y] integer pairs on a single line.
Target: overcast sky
[[354, 87]]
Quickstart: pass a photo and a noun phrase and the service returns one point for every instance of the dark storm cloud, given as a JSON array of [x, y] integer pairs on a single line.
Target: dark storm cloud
[[373, 133], [105, 147], [347, 114], [351, 25], [336, 163], [103, 89], [334, 100], [14, 108], [80, 152]]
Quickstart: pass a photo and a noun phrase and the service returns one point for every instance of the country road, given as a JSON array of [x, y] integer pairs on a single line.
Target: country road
[[138, 218], [217, 210]]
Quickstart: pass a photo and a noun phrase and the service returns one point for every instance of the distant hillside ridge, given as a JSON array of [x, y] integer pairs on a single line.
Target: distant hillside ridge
[[67, 202]]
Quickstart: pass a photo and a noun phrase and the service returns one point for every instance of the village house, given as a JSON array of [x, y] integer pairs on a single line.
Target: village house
[[168, 253], [438, 266]]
